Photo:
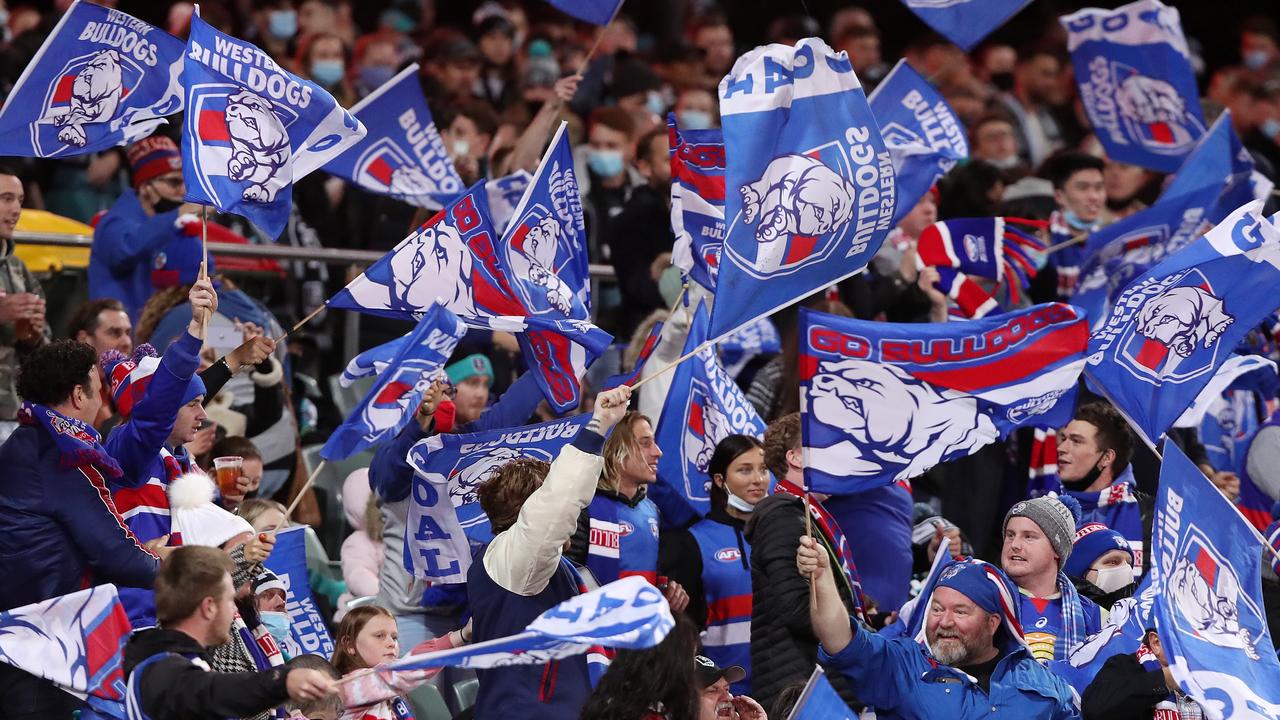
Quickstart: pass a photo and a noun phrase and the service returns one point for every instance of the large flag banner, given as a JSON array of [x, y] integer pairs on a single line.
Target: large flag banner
[[447, 471], [391, 402], [544, 250], [923, 134], [1133, 70], [252, 128], [820, 701], [596, 12], [288, 560], [402, 155], [1210, 611], [697, 201], [1127, 624], [102, 78], [703, 406], [809, 185], [625, 614], [965, 22], [75, 641], [504, 194], [992, 248], [1171, 329], [883, 402]]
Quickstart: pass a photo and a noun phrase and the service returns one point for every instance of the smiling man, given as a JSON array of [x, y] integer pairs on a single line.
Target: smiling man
[[22, 319]]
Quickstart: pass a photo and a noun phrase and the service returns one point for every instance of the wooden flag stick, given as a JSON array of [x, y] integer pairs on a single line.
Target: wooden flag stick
[[302, 322], [672, 364], [204, 264], [1067, 243], [596, 45], [298, 498], [808, 530]]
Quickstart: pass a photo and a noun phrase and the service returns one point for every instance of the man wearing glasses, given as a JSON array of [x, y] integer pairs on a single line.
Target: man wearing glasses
[[143, 226]]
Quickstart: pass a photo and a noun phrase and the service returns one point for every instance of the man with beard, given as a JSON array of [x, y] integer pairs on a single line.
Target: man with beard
[[973, 663]]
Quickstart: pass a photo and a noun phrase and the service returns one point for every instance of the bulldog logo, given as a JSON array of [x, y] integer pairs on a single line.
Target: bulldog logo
[[434, 263], [388, 168], [797, 200], [894, 423], [392, 401], [95, 96], [473, 470], [1154, 112], [536, 247], [1175, 337], [704, 428], [1208, 600], [259, 146]]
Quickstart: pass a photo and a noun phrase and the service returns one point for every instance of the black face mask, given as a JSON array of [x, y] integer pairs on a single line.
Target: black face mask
[[164, 205], [1083, 483], [1002, 80]]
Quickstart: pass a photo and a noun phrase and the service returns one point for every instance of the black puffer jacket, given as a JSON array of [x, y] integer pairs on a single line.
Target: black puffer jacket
[[784, 649]]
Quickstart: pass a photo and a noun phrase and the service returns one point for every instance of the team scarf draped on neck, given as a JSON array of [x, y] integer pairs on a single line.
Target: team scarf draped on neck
[[1074, 628], [78, 443], [839, 545]]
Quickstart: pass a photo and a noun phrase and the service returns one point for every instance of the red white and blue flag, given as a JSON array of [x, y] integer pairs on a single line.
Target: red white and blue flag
[[993, 248], [697, 200], [884, 402]]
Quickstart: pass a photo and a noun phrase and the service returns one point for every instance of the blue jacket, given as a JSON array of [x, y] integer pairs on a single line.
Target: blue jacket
[[59, 532], [125, 243], [901, 680]]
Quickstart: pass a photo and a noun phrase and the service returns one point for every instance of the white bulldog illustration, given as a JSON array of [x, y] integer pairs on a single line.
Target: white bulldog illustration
[[796, 194], [95, 95], [539, 252], [463, 485], [433, 263], [259, 146], [408, 180], [1211, 610], [1184, 318], [895, 423], [392, 403], [1148, 100], [700, 449]]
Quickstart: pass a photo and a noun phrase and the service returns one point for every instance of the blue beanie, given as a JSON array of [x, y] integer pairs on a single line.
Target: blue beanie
[[972, 580], [1093, 540]]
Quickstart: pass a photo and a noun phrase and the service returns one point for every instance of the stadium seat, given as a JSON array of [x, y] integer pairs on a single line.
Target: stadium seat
[[428, 704], [464, 693]]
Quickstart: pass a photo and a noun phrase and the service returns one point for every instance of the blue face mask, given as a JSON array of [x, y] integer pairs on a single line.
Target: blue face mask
[[605, 163], [373, 77], [1256, 60], [694, 119], [654, 103], [282, 24], [1271, 128], [276, 623], [1075, 221], [327, 72]]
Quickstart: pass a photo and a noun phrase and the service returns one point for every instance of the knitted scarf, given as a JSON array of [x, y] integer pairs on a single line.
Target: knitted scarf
[[78, 443], [1074, 628], [830, 529]]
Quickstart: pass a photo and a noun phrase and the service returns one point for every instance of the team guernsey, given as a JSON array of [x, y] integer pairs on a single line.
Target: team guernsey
[[726, 582], [637, 537], [1044, 625]]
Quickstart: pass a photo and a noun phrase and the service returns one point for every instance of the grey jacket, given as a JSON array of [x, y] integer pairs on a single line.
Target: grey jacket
[[14, 278]]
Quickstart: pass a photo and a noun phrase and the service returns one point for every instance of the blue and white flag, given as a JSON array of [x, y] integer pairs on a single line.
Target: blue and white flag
[[697, 201], [370, 362], [1235, 367], [883, 402], [102, 78], [965, 22], [288, 560], [1171, 329], [1127, 624], [596, 12], [449, 468], [923, 134], [544, 249], [809, 185], [393, 399], [74, 641], [504, 194], [646, 351], [820, 701], [402, 155], [741, 347], [1133, 70], [703, 406], [1210, 611], [252, 129]]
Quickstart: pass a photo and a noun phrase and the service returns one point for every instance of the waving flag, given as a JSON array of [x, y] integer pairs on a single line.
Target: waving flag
[[739, 348], [596, 12], [288, 560], [102, 78], [1233, 368], [1172, 328], [1210, 609], [820, 701], [697, 201], [370, 362], [883, 402], [504, 194], [646, 351], [545, 247], [453, 466], [1133, 70], [923, 134], [403, 155], [965, 22], [1126, 627], [392, 400], [703, 406], [810, 190], [991, 248], [252, 129], [75, 641]]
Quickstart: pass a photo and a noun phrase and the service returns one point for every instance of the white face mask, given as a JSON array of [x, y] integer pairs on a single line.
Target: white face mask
[[739, 504], [1112, 579]]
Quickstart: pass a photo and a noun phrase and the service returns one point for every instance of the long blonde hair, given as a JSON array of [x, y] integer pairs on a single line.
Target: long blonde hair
[[618, 449]]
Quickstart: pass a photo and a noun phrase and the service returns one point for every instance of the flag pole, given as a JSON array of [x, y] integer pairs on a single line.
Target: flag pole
[[582, 66], [303, 321], [671, 365], [1067, 243], [298, 498], [204, 264], [808, 531]]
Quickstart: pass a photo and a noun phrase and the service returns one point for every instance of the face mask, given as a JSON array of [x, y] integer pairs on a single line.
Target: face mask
[[1002, 81], [276, 623], [654, 103], [327, 72], [164, 205], [1271, 128], [461, 148], [739, 504], [373, 77], [282, 24], [1075, 221], [1083, 483], [1006, 162], [1256, 60], [1114, 578], [605, 163], [694, 119]]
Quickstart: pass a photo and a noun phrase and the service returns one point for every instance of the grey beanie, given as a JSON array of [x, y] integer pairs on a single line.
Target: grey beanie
[[1055, 519]]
